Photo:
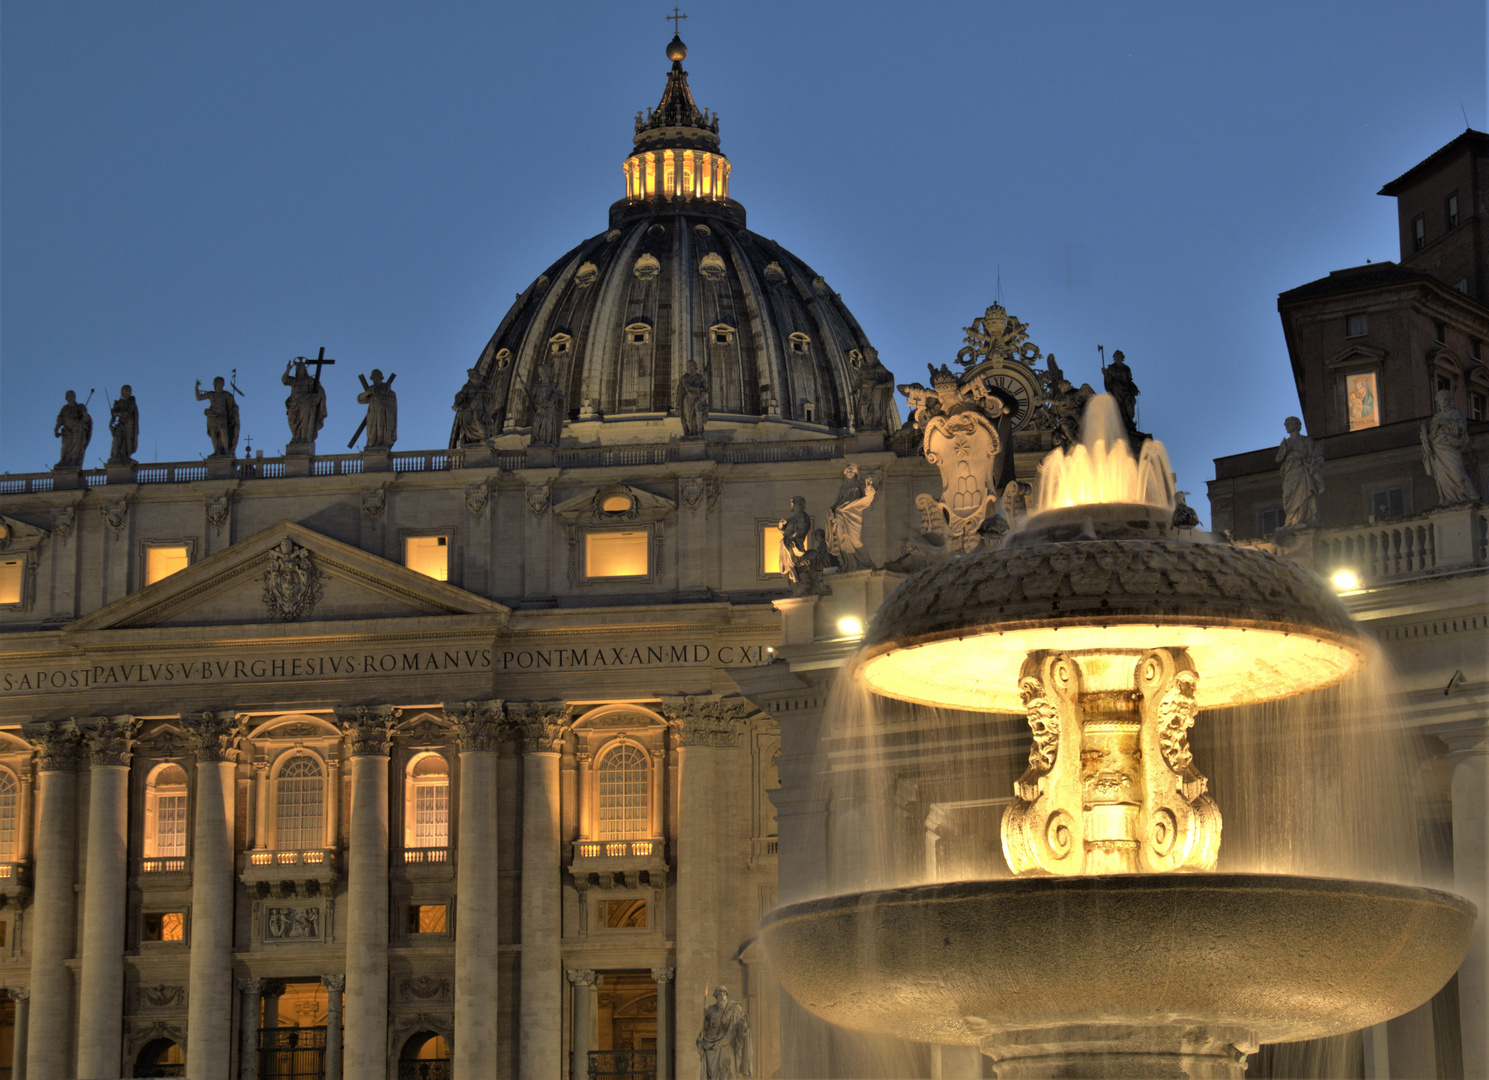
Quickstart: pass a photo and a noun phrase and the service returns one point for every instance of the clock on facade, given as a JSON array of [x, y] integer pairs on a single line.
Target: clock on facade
[[1020, 385]]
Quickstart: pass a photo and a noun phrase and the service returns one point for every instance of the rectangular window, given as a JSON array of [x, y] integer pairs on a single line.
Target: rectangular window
[[426, 919], [170, 826], [11, 571], [431, 815], [428, 555], [623, 914], [1356, 325], [1477, 405], [163, 560], [1442, 382], [1364, 406], [1418, 232], [1390, 503], [612, 553], [770, 550], [1440, 333], [1452, 209], [1270, 521], [165, 926]]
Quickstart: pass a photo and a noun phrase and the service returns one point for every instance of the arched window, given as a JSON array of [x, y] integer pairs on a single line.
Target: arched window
[[165, 813], [160, 1057], [427, 805], [9, 798], [299, 805], [426, 1056], [625, 794]]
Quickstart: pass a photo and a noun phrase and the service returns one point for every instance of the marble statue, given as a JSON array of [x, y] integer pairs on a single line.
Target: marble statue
[[1117, 378], [305, 408], [548, 405], [795, 528], [724, 1043], [472, 410], [222, 417], [692, 401], [1066, 408], [75, 428], [1444, 439], [1302, 476], [873, 394], [124, 426], [845, 520], [382, 411]]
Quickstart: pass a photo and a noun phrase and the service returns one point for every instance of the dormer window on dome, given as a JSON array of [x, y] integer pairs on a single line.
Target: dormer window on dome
[[677, 145], [638, 333], [559, 344], [722, 334], [800, 344]]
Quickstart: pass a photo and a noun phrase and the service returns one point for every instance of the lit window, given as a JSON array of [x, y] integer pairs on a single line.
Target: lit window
[[428, 555], [427, 814], [1390, 503], [299, 801], [1440, 333], [9, 790], [623, 914], [165, 926], [163, 560], [1270, 521], [1476, 406], [624, 779], [615, 504], [800, 343], [426, 919], [615, 553], [1452, 208], [1418, 233], [10, 580], [1357, 326], [770, 550], [638, 333], [165, 813]]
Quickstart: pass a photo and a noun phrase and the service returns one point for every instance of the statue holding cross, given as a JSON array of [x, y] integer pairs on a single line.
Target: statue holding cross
[[305, 408]]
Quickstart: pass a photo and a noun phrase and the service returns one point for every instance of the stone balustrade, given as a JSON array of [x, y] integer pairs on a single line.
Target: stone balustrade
[[1442, 541]]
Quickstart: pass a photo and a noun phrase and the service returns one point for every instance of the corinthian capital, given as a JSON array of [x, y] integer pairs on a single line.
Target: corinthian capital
[[479, 725], [110, 739], [369, 727], [213, 735], [539, 724], [56, 745], [582, 976], [706, 720]]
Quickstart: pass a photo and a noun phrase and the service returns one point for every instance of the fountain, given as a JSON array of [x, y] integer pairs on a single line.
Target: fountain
[[1116, 949]]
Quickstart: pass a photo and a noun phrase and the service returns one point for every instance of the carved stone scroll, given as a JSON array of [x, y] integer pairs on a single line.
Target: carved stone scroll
[[1181, 823], [1043, 827]]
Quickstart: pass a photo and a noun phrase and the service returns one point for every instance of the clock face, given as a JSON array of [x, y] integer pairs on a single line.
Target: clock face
[[1020, 387]]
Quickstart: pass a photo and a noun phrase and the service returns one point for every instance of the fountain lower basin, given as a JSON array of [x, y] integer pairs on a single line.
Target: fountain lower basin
[[1055, 976]]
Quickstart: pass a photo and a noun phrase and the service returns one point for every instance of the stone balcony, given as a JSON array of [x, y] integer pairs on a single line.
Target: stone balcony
[[423, 863], [1393, 551], [15, 882], [289, 873], [612, 864], [163, 872]]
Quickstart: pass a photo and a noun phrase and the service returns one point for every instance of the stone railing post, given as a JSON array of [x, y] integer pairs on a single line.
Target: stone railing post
[[479, 727], [54, 901], [110, 742], [209, 1009], [541, 727], [368, 731], [334, 985]]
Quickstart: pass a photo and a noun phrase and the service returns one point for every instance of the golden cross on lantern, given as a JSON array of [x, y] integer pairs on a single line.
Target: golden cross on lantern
[[675, 19]]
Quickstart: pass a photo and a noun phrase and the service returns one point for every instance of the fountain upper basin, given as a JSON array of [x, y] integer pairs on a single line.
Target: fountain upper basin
[[1285, 958]]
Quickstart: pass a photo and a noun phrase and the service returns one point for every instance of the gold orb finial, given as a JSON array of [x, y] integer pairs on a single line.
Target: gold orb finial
[[676, 50]]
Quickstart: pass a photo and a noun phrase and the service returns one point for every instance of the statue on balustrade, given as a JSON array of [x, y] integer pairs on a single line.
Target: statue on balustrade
[[845, 520], [473, 405], [75, 428], [305, 408], [873, 394], [382, 411], [692, 401], [1302, 464], [1444, 440], [724, 1043], [222, 417], [124, 426]]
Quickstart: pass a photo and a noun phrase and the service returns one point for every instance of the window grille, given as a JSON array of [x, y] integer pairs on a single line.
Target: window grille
[[170, 825], [299, 805], [8, 792], [625, 783], [432, 813]]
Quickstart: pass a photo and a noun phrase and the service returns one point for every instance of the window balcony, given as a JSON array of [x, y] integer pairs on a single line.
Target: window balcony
[[424, 864], [15, 881], [611, 864], [163, 872], [289, 873]]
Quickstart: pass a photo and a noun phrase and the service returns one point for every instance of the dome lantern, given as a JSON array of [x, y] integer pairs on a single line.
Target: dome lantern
[[676, 153]]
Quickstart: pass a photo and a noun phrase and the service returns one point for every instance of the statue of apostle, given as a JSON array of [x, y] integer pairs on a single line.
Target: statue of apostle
[[222, 417], [1302, 476], [305, 408], [75, 428], [845, 520], [1444, 439], [873, 394], [472, 411], [724, 1043], [124, 426], [382, 411], [692, 401], [548, 404]]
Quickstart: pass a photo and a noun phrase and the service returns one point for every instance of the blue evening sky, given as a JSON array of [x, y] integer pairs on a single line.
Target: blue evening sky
[[187, 188]]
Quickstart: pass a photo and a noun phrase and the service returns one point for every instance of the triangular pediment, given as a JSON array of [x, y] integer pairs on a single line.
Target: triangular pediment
[[287, 573], [614, 503], [1358, 354]]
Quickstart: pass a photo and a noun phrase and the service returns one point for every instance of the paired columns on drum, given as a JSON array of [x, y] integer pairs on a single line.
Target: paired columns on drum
[[540, 727], [703, 726], [101, 979], [368, 731], [209, 1013], [48, 1056], [480, 727]]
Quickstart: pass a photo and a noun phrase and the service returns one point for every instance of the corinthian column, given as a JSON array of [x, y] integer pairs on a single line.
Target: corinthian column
[[585, 981], [334, 985], [540, 1048], [21, 995], [253, 994], [366, 1019], [479, 727], [49, 1039], [101, 986], [209, 1010], [663, 977], [702, 726]]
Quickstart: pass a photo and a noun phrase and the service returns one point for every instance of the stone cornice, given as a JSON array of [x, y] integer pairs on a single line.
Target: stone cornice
[[110, 739], [540, 725], [706, 719], [213, 735], [368, 728], [480, 726]]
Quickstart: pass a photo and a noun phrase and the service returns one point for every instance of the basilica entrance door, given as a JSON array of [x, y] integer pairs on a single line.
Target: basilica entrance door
[[627, 1027]]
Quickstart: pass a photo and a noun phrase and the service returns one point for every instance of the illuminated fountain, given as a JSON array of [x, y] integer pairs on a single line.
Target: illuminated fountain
[[1115, 950]]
